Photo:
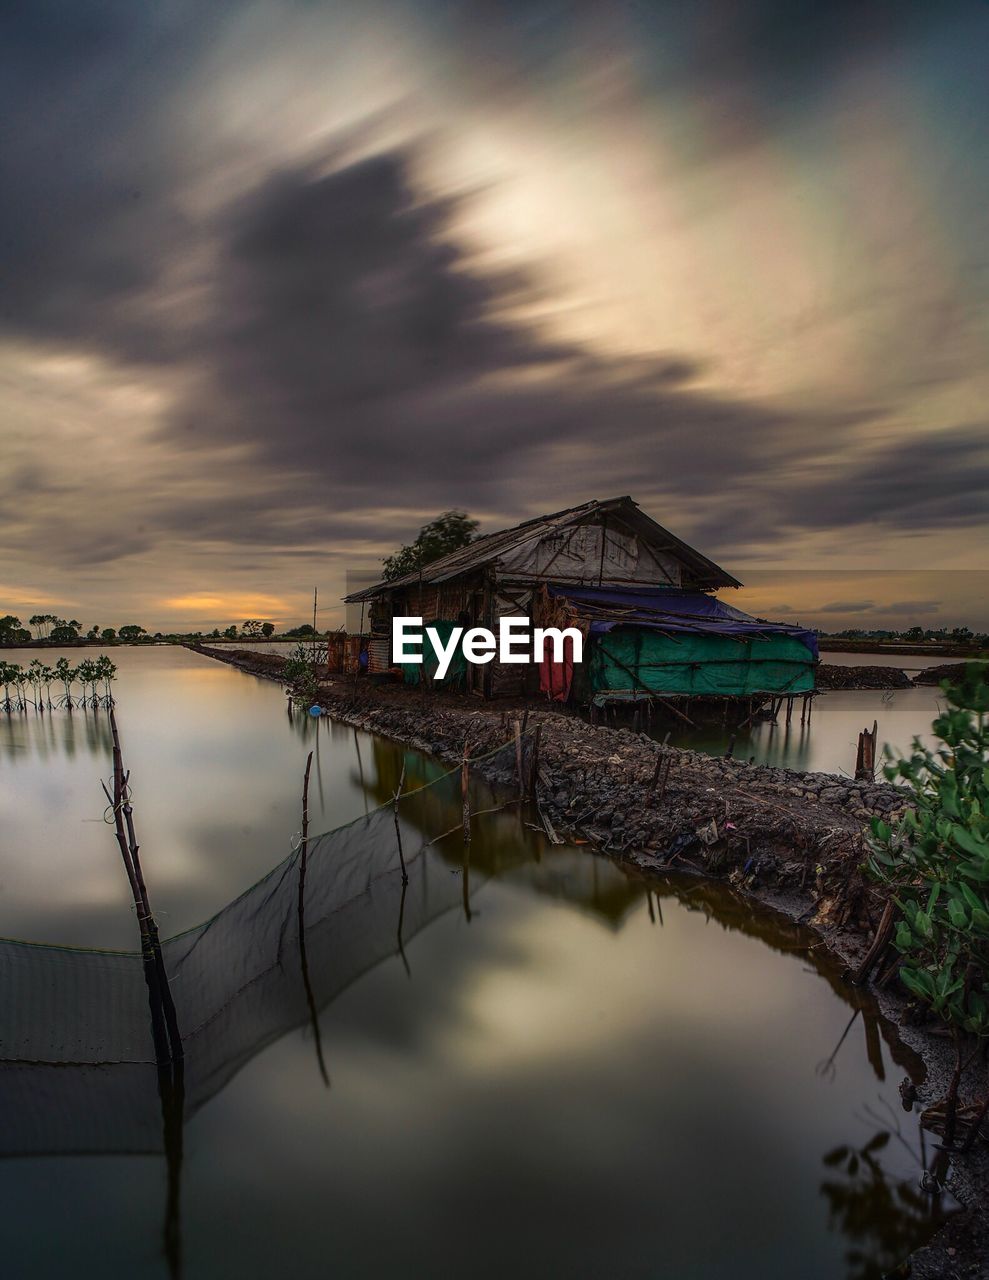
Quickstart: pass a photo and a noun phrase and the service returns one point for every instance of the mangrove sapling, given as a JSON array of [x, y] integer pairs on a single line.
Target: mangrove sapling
[[106, 672], [46, 675], [935, 861], [66, 674], [300, 674], [9, 672]]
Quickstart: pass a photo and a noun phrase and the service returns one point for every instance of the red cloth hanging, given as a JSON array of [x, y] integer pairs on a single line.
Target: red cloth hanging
[[555, 678]]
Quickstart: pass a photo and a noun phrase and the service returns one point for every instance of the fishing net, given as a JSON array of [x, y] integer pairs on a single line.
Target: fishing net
[[77, 1062]]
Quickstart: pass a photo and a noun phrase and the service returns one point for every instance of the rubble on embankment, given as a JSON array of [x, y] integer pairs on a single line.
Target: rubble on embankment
[[947, 671], [832, 676]]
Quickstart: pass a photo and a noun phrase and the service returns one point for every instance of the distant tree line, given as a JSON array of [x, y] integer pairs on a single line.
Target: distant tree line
[[914, 635], [49, 629]]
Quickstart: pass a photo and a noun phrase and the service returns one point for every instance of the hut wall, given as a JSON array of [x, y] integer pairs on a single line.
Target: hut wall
[[442, 602], [509, 679]]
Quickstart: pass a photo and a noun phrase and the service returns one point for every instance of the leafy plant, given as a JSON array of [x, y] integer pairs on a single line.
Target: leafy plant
[[935, 860], [301, 675]]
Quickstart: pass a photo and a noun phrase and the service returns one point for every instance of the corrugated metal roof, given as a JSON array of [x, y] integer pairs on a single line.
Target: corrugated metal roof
[[482, 551]]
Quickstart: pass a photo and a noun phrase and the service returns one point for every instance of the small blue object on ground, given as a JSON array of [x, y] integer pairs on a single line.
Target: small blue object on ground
[[316, 711]]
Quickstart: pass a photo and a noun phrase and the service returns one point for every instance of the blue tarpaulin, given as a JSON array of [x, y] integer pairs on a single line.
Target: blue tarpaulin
[[671, 610]]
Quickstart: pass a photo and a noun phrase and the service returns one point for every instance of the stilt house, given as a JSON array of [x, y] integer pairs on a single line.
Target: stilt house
[[643, 599]]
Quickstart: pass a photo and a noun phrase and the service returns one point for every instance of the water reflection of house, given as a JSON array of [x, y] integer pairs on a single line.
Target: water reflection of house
[[503, 841], [642, 598]]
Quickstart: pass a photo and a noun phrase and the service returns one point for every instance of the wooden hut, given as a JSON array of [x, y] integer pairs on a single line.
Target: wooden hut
[[641, 596]]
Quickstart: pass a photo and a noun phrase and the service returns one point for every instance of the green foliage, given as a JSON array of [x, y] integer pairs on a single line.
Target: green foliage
[[252, 628], [936, 860], [305, 630], [267, 629], [131, 632], [11, 631], [64, 633], [301, 676], [448, 532]]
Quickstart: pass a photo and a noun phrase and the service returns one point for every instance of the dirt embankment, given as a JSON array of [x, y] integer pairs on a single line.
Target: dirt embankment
[[829, 676], [793, 841], [949, 671]]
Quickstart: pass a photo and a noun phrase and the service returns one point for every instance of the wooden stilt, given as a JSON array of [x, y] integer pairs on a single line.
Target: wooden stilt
[[398, 829]]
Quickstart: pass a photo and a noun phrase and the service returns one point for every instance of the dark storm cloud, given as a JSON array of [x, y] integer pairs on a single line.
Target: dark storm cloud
[[932, 481], [845, 606], [88, 168], [746, 66], [912, 608], [360, 355], [340, 336]]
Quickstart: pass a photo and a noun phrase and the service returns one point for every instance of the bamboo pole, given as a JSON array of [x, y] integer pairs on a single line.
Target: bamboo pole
[[465, 794], [398, 829], [164, 1020], [303, 957]]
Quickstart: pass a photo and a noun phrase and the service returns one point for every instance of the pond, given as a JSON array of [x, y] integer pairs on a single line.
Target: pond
[[544, 1066]]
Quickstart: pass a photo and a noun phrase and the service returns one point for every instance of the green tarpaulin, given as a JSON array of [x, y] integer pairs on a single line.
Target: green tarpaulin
[[457, 670], [713, 665]]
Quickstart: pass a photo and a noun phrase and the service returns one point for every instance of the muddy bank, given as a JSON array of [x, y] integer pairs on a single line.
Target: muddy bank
[[949, 671], [792, 841]]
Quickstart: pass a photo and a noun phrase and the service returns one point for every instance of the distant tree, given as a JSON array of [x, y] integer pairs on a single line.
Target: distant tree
[[448, 532], [93, 631], [131, 632], [305, 630], [44, 622], [252, 628], [215, 633], [231, 632], [8, 625], [110, 633], [64, 633], [267, 629]]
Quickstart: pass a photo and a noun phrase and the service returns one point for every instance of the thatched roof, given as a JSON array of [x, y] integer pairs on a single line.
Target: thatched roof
[[483, 551]]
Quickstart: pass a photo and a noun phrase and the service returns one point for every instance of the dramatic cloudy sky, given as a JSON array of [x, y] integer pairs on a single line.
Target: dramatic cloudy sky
[[281, 280]]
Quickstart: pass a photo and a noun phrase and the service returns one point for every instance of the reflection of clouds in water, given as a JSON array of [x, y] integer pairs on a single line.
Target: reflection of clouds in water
[[555, 1045], [537, 1050]]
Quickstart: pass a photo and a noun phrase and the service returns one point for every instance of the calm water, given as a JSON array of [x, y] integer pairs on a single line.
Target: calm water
[[828, 744], [909, 662], [564, 1074]]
